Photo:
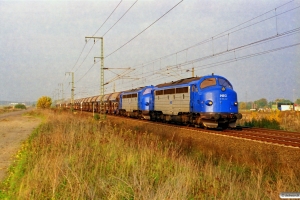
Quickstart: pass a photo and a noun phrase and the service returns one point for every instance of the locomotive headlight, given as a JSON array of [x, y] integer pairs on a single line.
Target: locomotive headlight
[[235, 103], [209, 102]]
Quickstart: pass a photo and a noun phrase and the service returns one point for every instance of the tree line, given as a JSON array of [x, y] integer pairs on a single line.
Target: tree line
[[264, 103]]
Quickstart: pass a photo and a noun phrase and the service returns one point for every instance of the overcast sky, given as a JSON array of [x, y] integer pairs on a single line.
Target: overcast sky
[[254, 44]]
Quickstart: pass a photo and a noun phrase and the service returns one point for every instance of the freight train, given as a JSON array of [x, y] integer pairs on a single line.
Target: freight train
[[207, 101]]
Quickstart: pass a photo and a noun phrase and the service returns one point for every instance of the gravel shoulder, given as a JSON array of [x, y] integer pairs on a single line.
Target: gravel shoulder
[[14, 129]]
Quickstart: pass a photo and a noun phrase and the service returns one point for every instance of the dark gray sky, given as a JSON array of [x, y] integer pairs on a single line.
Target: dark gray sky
[[42, 40]]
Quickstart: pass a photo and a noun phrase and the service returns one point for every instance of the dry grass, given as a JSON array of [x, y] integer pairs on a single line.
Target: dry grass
[[76, 157], [288, 120], [5, 109]]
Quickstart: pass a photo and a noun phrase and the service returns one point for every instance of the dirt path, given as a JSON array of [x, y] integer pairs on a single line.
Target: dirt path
[[14, 128]]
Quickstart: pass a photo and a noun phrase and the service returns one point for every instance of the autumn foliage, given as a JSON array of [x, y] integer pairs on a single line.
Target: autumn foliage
[[44, 102]]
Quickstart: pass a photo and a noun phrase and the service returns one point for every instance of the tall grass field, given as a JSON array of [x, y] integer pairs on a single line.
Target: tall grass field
[[74, 156], [280, 120]]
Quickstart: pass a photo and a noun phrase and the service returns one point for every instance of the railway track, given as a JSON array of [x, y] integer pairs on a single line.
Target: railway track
[[270, 136], [279, 137]]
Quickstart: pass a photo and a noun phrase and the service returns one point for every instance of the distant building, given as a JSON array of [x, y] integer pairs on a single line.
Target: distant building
[[285, 106]]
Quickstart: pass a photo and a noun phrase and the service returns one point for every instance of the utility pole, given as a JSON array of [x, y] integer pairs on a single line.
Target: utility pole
[[62, 90], [72, 89], [101, 67], [193, 72], [53, 96], [57, 90]]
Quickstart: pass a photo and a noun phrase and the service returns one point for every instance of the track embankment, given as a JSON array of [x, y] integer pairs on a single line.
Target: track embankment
[[240, 149]]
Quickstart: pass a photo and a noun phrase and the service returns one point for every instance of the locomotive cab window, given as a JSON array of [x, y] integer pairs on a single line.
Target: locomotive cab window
[[194, 88], [147, 91], [208, 82], [225, 83]]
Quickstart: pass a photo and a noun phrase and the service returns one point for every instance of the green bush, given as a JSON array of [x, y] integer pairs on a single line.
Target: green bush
[[96, 116], [264, 123], [20, 106]]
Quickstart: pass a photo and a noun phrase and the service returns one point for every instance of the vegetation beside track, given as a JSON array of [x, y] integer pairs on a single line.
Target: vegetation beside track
[[73, 156], [285, 120]]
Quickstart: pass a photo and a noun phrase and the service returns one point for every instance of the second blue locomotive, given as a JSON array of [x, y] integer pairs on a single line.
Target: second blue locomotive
[[207, 101]]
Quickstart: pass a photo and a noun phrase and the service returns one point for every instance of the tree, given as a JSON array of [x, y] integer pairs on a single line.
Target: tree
[[44, 102], [283, 101], [297, 102], [242, 105], [261, 103]]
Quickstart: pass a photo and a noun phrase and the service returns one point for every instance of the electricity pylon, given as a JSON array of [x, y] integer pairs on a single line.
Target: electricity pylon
[[62, 91], [101, 68], [72, 89]]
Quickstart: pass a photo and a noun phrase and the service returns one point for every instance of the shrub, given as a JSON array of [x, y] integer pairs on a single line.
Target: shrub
[[96, 116], [263, 123], [44, 102], [20, 106]]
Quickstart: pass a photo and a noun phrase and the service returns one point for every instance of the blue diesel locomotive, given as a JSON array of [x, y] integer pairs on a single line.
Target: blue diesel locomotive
[[207, 101], [136, 103]]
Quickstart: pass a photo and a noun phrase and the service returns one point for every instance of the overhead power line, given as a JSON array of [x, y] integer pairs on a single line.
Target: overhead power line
[[120, 18], [214, 37], [148, 74], [224, 33], [94, 35], [144, 30], [85, 58], [108, 17], [223, 62], [104, 34], [134, 36]]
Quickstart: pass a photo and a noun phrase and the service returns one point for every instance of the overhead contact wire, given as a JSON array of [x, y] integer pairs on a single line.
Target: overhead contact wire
[[120, 18], [220, 34], [95, 34], [144, 29], [108, 17], [232, 60], [107, 32], [89, 39], [204, 40], [85, 57]]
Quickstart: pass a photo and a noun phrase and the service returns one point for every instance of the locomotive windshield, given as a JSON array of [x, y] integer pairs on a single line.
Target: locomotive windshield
[[225, 83], [147, 91], [208, 82]]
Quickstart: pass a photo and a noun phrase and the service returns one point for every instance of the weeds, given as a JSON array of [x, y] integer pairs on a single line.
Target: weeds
[[74, 157], [284, 120], [263, 123], [96, 116]]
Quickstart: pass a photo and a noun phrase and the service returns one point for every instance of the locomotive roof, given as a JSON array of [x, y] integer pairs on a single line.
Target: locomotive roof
[[181, 81], [136, 89], [133, 90]]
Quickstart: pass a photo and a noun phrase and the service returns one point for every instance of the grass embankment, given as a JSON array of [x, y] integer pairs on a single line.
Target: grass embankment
[[75, 157], [285, 120], [5, 109]]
